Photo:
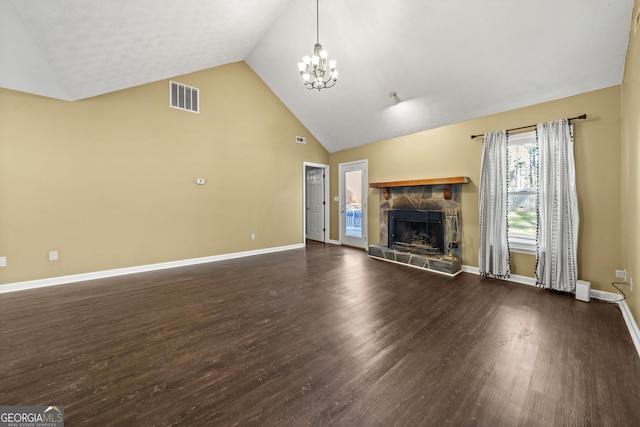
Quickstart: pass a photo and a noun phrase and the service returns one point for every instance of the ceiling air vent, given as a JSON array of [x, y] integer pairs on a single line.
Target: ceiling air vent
[[184, 97]]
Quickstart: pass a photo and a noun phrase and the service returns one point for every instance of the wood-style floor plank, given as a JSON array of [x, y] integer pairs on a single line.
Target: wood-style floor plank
[[316, 336]]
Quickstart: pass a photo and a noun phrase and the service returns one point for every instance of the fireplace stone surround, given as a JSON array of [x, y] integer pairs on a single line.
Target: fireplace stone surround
[[418, 204]]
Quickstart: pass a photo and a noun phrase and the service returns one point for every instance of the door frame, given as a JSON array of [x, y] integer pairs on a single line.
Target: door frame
[[325, 169], [365, 202]]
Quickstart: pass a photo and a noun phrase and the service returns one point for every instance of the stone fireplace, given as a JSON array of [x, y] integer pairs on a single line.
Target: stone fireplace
[[420, 224]]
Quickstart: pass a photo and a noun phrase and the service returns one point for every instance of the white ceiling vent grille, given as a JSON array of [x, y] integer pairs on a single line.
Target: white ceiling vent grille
[[184, 97]]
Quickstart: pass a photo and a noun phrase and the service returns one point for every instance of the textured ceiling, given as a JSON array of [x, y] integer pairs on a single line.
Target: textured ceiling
[[84, 48], [448, 60]]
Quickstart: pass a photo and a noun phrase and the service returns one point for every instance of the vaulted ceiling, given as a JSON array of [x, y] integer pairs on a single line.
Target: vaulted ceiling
[[448, 61]]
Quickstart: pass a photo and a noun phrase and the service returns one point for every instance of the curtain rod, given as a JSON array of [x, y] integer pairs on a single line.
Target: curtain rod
[[581, 117]]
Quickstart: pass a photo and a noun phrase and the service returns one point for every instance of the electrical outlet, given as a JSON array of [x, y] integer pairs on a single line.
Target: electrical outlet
[[3, 261], [631, 283], [252, 236], [53, 256], [621, 274]]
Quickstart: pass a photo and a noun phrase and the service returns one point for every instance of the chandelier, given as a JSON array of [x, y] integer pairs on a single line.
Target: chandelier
[[317, 71]]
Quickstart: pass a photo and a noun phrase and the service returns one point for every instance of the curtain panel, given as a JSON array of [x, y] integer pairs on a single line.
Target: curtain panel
[[558, 218], [494, 243]]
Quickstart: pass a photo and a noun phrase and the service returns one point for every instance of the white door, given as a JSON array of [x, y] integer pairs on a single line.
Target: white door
[[315, 204], [353, 203]]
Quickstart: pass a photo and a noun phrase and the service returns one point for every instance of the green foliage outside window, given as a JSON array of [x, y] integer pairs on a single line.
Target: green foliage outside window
[[523, 184], [523, 222]]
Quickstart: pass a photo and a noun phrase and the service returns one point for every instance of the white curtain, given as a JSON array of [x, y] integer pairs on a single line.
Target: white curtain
[[558, 217], [494, 243]]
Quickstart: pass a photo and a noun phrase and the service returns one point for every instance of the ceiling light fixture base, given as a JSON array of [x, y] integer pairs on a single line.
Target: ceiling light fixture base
[[394, 97]]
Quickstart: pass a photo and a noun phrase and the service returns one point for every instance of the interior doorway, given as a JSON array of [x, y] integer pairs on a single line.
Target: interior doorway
[[316, 202]]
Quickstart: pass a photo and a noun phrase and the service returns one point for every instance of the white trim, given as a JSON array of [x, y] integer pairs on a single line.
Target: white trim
[[61, 280], [604, 296], [610, 297], [523, 280], [335, 242], [354, 162], [327, 206], [631, 324], [470, 269], [364, 244], [522, 138], [522, 245]]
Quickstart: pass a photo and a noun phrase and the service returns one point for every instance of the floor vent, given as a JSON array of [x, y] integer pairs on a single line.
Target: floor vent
[[184, 97]]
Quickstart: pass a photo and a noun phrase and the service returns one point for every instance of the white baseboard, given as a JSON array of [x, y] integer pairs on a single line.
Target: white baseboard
[[469, 269], [611, 297], [629, 320], [61, 280], [514, 277], [335, 242], [604, 296], [601, 295], [631, 324]]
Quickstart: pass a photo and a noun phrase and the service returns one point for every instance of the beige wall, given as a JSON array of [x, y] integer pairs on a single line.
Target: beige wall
[[109, 181], [449, 151], [630, 164]]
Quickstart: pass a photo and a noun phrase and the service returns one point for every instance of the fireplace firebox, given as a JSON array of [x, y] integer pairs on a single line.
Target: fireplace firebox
[[416, 231]]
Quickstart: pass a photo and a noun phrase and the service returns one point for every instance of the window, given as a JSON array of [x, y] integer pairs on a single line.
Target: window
[[522, 158]]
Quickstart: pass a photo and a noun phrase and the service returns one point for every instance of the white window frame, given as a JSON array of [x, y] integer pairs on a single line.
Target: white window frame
[[518, 242]]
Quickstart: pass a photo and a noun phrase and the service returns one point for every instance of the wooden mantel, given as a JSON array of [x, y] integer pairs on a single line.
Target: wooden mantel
[[415, 182]]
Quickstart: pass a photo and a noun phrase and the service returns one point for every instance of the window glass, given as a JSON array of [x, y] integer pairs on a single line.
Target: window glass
[[523, 184]]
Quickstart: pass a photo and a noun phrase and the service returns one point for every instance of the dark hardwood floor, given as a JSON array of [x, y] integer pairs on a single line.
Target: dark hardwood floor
[[316, 336]]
